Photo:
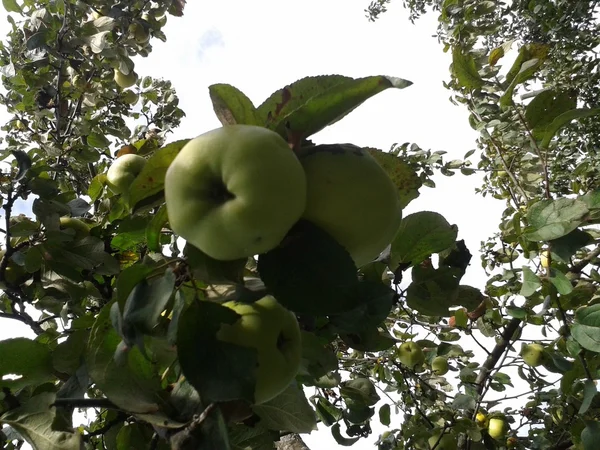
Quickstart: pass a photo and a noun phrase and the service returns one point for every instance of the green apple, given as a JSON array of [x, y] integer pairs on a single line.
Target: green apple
[[274, 332], [125, 80], [410, 354], [447, 442], [439, 365], [351, 197], [130, 97], [70, 223], [14, 274], [482, 419], [139, 33], [123, 171], [533, 354], [498, 427], [235, 191]]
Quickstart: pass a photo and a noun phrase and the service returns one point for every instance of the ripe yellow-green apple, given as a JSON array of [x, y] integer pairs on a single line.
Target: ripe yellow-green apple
[[447, 442], [410, 354], [351, 197], [235, 191], [439, 365], [533, 354], [498, 427], [123, 171], [70, 223], [482, 419], [125, 80], [130, 97], [274, 333]]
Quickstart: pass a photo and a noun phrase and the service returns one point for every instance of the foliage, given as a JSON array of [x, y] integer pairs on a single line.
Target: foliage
[[114, 300]]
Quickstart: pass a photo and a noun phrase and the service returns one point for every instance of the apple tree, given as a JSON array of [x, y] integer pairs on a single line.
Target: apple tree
[[250, 330], [525, 363]]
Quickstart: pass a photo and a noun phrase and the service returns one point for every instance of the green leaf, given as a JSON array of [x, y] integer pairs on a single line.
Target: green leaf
[[563, 120], [288, 411], [545, 107], [68, 355], [230, 374], [384, 415], [35, 368], [36, 422], [147, 301], [150, 182], [587, 336], [232, 106], [310, 104], [374, 340], [130, 277], [359, 392], [420, 235], [561, 282], [590, 435], [11, 6], [531, 282], [337, 435], [134, 386], [327, 413], [551, 219], [465, 70], [401, 173], [310, 273], [464, 402], [210, 270], [589, 392], [433, 291], [255, 437], [154, 229]]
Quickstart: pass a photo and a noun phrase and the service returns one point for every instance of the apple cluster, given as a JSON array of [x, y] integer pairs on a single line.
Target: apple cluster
[[236, 191]]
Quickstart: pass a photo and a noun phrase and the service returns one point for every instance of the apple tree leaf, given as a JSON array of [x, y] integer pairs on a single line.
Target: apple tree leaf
[[433, 291], [310, 104], [372, 310], [36, 368], [465, 70], [134, 386], [220, 371], [531, 282], [36, 422], [288, 411], [545, 107], [590, 435], [151, 180], [564, 119], [210, 270], [373, 340], [154, 229], [401, 173], [255, 437], [420, 235], [232, 106], [337, 435], [318, 357], [310, 273], [552, 219]]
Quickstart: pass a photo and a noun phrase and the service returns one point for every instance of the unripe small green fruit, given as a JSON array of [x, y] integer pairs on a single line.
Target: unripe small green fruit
[[439, 365], [533, 354], [130, 97], [123, 171]]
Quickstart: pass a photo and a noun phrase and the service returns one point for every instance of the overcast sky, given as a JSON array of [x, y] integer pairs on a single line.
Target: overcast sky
[[262, 45]]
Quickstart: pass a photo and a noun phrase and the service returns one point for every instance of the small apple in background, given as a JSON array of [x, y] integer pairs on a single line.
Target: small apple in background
[[81, 228], [498, 427], [482, 419], [130, 97], [447, 441], [123, 171], [411, 355], [139, 33], [533, 354], [439, 365], [351, 197], [235, 192], [125, 80], [274, 332]]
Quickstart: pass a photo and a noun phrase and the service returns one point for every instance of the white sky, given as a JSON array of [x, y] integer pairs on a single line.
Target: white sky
[[262, 45]]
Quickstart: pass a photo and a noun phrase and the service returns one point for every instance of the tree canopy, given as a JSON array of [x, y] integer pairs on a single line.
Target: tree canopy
[[129, 318]]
